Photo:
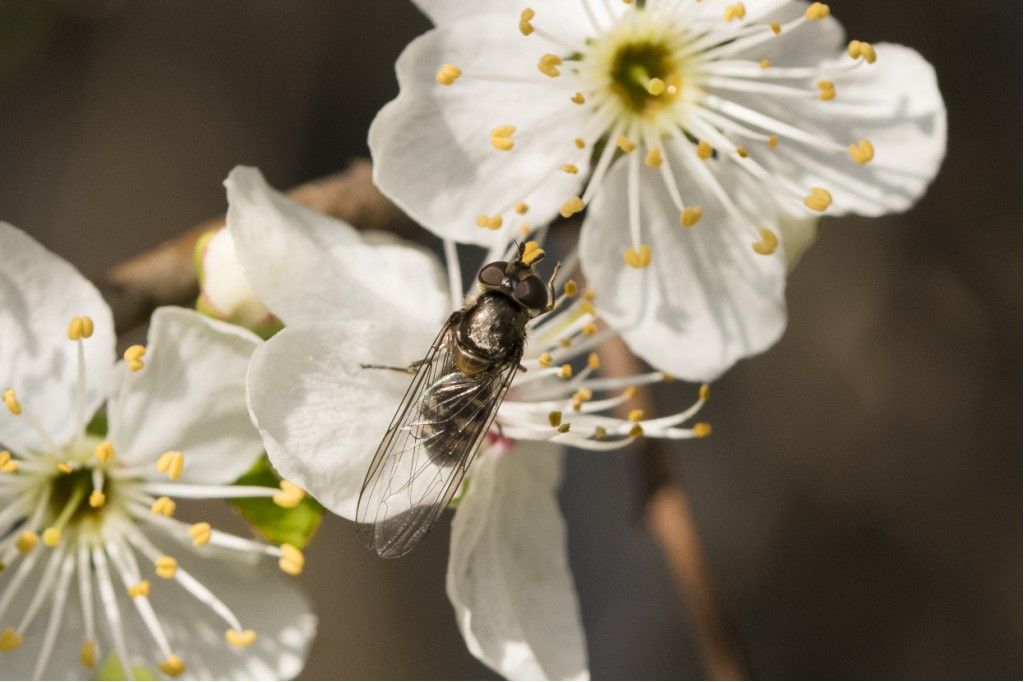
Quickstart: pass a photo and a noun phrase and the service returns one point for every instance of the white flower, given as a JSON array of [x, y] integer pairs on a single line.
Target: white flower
[[95, 565], [349, 300], [689, 129]]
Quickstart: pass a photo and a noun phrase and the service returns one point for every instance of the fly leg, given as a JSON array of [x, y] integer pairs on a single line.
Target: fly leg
[[551, 288], [411, 369]]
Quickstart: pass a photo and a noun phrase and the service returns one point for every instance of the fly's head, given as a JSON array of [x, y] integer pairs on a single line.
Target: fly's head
[[518, 280]]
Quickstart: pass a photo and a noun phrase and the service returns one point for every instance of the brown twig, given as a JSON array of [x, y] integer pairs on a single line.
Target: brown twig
[[670, 522], [165, 275]]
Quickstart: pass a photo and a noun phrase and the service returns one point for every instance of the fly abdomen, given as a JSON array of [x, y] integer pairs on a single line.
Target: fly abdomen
[[449, 407]]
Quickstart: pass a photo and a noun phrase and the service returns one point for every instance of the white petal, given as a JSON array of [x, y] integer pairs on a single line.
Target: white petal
[[508, 575], [566, 17], [807, 44], [896, 104], [39, 294], [330, 271], [190, 397], [706, 300], [431, 146], [797, 234], [320, 413]]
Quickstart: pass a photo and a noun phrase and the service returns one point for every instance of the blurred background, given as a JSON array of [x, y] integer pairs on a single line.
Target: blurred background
[[860, 501]]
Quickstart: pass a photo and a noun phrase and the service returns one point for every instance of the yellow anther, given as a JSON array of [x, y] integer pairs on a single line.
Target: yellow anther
[[773, 141], [743, 152], [172, 665], [862, 151], [87, 654], [164, 506], [704, 150], [587, 307], [826, 90], [76, 329], [292, 561], [631, 392], [636, 431], [490, 222], [638, 258], [525, 229], [135, 352], [525, 27], [655, 86], [240, 638], [589, 294], [571, 288], [583, 395], [858, 48], [548, 65], [97, 499], [139, 589], [570, 168], [767, 244], [704, 392], [565, 371], [600, 433], [501, 137], [104, 452], [200, 533], [625, 144], [589, 329], [26, 541], [818, 200], [635, 415], [171, 463], [51, 536], [564, 428], [447, 74], [571, 207], [594, 361], [668, 377], [554, 418], [544, 360], [776, 27], [290, 495], [531, 252], [11, 401], [653, 158], [521, 208], [9, 467], [580, 143], [9, 640], [6, 462], [64, 468], [736, 11], [690, 216], [764, 63], [578, 98], [815, 11], [565, 343], [166, 566], [701, 430]]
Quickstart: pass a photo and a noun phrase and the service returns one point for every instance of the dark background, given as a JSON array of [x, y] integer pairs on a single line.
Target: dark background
[[861, 498]]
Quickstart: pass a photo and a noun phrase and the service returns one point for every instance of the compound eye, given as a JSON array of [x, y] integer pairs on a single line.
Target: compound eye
[[532, 293], [493, 274]]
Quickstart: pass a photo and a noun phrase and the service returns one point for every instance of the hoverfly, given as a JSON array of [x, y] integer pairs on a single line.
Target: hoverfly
[[450, 404]]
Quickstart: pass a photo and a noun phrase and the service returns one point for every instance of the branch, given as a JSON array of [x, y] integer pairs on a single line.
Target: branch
[[671, 524], [165, 274]]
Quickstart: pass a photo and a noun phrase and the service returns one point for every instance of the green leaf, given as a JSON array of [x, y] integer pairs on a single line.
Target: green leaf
[[112, 670], [296, 526], [98, 425]]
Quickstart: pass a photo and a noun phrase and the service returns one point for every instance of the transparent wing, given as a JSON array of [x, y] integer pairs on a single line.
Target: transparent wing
[[429, 446]]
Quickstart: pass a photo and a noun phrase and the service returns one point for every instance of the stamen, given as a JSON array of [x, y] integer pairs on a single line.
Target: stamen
[[172, 665], [704, 150], [653, 158], [447, 74], [9, 639], [827, 90], [490, 222], [133, 356], [240, 638], [548, 65], [200, 533], [625, 144], [571, 207], [863, 50], [7, 465], [521, 208], [776, 27], [139, 589], [578, 98], [768, 243], [165, 566], [290, 495], [525, 27], [570, 168], [164, 506], [292, 561], [818, 200], [690, 216], [171, 463], [736, 11], [638, 258], [80, 328], [862, 152], [87, 654], [104, 452], [26, 541], [816, 11], [701, 430], [11, 401], [501, 137]]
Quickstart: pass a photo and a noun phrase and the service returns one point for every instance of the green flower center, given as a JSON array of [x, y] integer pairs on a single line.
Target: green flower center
[[644, 76], [69, 497]]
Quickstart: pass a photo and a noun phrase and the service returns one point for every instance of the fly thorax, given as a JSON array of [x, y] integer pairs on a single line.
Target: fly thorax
[[492, 327]]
